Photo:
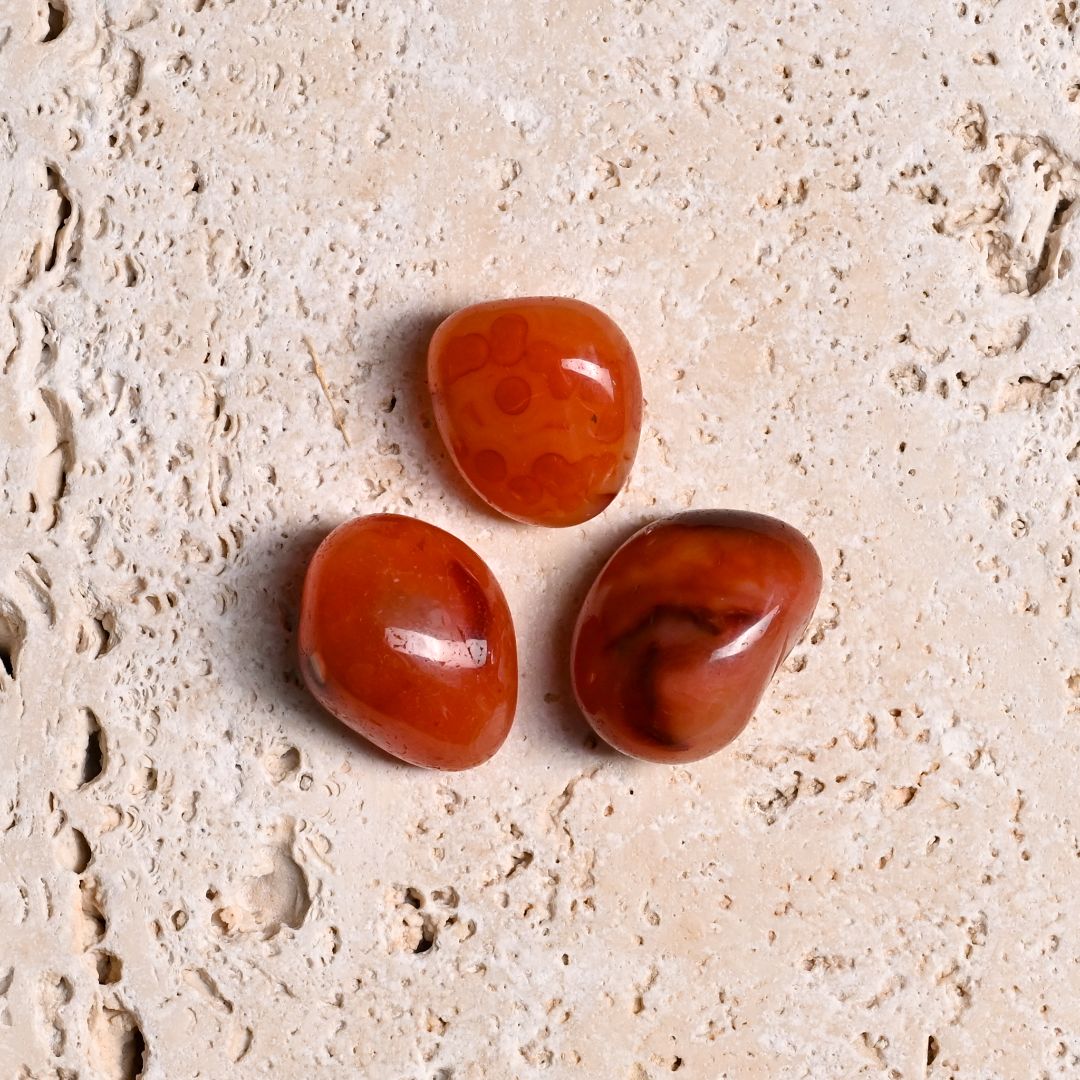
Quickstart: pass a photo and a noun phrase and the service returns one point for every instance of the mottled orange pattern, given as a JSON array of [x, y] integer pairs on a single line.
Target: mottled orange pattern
[[539, 402]]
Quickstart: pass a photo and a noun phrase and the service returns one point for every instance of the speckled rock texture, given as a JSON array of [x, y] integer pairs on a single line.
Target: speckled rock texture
[[843, 239]]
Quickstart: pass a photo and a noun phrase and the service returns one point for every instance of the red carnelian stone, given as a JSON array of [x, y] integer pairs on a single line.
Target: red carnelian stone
[[539, 402], [686, 625], [405, 636]]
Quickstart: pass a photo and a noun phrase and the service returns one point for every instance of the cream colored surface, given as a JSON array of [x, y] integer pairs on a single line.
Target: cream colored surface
[[843, 238]]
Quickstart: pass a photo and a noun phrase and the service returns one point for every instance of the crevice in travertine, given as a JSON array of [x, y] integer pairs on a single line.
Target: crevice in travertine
[[56, 16], [117, 1047]]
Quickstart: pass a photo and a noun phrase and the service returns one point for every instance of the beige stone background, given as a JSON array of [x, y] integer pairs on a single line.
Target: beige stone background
[[843, 238]]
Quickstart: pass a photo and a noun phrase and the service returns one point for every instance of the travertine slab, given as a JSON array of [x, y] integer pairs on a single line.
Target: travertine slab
[[843, 240]]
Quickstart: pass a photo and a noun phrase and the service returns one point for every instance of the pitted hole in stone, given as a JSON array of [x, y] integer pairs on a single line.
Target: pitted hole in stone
[[12, 637], [57, 15], [117, 1048], [72, 850], [521, 861], [281, 897], [99, 637], [56, 992], [55, 182], [109, 967], [93, 924], [55, 468], [932, 1050], [282, 764], [226, 920], [421, 930], [137, 1046], [94, 756], [146, 778], [131, 71], [427, 937], [1045, 271]]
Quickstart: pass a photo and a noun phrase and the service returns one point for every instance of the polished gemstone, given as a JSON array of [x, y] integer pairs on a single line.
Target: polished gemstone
[[539, 403], [405, 636], [684, 628]]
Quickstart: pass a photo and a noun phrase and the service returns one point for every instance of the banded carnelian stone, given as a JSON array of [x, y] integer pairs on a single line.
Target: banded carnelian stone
[[686, 625], [539, 403], [405, 636]]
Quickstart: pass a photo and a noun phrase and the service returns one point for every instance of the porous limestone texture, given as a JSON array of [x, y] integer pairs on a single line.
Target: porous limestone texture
[[843, 238]]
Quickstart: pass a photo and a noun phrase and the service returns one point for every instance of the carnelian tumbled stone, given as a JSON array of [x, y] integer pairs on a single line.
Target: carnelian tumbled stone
[[539, 403], [686, 625], [405, 636]]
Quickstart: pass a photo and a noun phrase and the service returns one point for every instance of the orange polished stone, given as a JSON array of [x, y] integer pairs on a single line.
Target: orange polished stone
[[539, 402], [405, 636], [686, 625]]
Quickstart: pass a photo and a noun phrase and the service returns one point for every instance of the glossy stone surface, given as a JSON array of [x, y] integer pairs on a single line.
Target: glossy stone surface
[[405, 636], [684, 628], [539, 403]]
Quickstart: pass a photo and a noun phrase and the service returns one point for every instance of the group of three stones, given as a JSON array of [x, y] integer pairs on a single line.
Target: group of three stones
[[405, 634]]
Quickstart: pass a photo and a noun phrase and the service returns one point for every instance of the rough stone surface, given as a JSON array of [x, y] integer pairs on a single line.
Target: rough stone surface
[[843, 240]]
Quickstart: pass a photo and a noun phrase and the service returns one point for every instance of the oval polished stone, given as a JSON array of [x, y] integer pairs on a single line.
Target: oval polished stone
[[686, 625], [405, 636], [539, 403]]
